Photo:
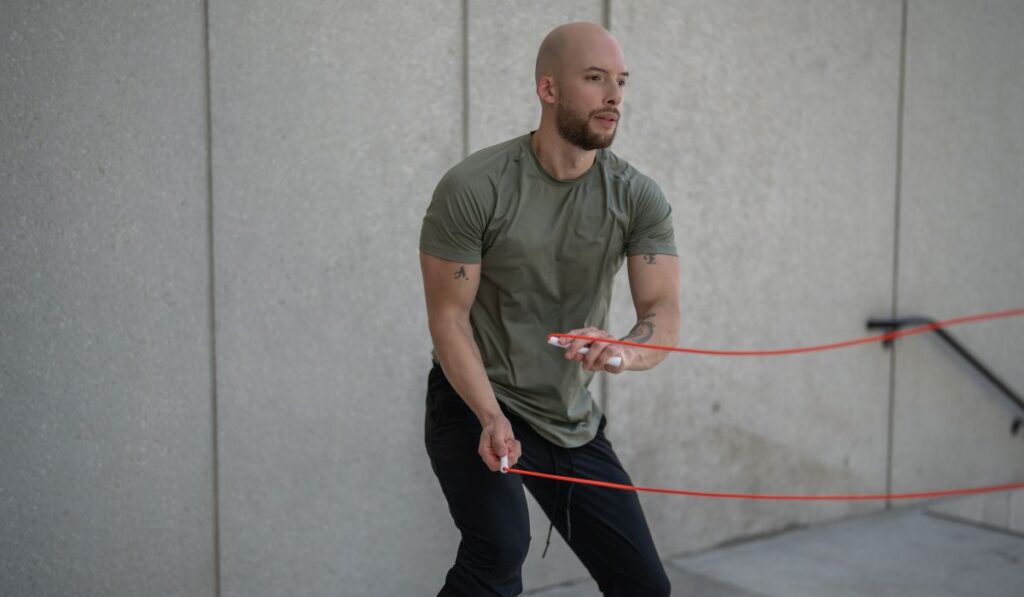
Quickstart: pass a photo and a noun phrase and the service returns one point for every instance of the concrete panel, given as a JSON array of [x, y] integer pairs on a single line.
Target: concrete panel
[[900, 553], [896, 553], [106, 460], [1003, 510], [503, 40], [332, 123], [961, 247], [771, 127]]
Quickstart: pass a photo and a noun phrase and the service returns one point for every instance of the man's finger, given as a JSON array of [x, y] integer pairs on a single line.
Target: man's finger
[[487, 452], [573, 352], [575, 344], [515, 451], [490, 460], [614, 362], [594, 355], [611, 359]]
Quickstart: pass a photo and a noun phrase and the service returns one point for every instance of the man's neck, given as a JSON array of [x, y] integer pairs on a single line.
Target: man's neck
[[561, 159]]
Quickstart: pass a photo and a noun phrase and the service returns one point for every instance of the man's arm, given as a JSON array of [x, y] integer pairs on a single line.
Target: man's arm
[[654, 284], [450, 289]]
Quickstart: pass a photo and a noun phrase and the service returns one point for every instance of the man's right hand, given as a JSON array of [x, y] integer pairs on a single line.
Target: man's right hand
[[497, 440]]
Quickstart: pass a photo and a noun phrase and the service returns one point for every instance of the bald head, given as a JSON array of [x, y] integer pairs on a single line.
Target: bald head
[[575, 46]]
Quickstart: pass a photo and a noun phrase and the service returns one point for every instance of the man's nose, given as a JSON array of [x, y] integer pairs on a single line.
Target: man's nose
[[614, 97]]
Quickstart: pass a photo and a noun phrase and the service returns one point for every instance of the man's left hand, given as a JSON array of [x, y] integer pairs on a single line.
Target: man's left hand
[[600, 352]]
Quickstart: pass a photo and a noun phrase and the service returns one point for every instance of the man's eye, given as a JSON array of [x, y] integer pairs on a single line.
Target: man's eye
[[622, 83], [594, 77]]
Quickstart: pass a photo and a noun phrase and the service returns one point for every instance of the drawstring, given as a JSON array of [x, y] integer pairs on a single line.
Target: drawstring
[[558, 485], [568, 499], [548, 542]]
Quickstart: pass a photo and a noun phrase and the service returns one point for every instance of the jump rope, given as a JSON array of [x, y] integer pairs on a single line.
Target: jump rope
[[553, 339]]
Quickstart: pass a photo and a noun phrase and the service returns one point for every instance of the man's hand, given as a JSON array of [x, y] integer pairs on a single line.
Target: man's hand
[[599, 352], [497, 440]]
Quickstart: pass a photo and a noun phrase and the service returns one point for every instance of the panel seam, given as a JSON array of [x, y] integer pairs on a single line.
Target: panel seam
[[211, 294], [898, 193], [465, 78]]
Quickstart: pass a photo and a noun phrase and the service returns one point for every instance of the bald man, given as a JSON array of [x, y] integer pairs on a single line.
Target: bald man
[[521, 240]]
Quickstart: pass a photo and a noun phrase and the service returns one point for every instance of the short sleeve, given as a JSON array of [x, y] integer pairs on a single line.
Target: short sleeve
[[651, 226], [453, 227]]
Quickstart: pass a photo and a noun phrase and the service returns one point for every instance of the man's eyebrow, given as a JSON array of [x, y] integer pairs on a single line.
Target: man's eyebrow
[[597, 68]]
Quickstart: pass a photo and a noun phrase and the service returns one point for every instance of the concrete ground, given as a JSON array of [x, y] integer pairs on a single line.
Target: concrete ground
[[932, 550]]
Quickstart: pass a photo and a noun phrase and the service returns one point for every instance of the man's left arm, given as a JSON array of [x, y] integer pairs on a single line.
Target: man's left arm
[[654, 284]]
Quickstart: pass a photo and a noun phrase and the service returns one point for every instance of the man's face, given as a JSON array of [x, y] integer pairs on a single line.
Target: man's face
[[587, 130], [590, 99]]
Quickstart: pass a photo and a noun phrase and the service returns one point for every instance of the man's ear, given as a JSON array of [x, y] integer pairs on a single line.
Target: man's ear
[[547, 90]]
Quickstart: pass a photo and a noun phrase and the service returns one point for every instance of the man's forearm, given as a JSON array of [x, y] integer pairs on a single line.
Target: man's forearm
[[462, 365], [659, 324]]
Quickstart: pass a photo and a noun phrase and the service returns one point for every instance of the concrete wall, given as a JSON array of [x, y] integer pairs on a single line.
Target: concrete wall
[[211, 380], [328, 136], [960, 246], [106, 427], [772, 126]]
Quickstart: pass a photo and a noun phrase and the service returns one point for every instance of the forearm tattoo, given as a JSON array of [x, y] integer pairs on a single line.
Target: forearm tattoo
[[460, 274], [642, 331]]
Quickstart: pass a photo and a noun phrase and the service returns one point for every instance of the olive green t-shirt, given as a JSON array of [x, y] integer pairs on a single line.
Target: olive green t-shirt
[[549, 250]]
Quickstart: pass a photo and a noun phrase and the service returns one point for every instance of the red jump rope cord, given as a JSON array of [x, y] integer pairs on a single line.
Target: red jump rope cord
[[756, 496], [781, 351]]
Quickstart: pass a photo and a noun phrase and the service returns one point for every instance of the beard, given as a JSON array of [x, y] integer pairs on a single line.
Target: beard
[[574, 127]]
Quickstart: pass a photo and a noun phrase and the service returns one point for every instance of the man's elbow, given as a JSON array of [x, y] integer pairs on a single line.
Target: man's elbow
[[445, 322]]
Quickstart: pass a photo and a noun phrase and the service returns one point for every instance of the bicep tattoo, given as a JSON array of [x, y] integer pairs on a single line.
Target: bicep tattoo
[[651, 259], [460, 274]]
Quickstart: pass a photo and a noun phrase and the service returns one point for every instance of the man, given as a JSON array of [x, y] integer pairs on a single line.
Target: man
[[521, 240]]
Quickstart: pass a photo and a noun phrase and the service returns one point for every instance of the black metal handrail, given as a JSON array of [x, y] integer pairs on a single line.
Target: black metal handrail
[[896, 324]]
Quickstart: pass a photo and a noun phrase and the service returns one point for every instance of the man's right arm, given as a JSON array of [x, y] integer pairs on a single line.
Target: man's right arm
[[450, 289]]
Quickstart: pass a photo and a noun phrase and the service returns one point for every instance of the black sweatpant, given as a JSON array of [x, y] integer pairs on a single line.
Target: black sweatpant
[[606, 528]]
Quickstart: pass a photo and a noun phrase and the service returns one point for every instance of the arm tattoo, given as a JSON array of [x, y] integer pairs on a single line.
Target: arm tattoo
[[642, 331], [651, 259], [461, 273]]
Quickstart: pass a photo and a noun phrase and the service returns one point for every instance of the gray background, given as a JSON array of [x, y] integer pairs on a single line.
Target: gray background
[[213, 347]]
